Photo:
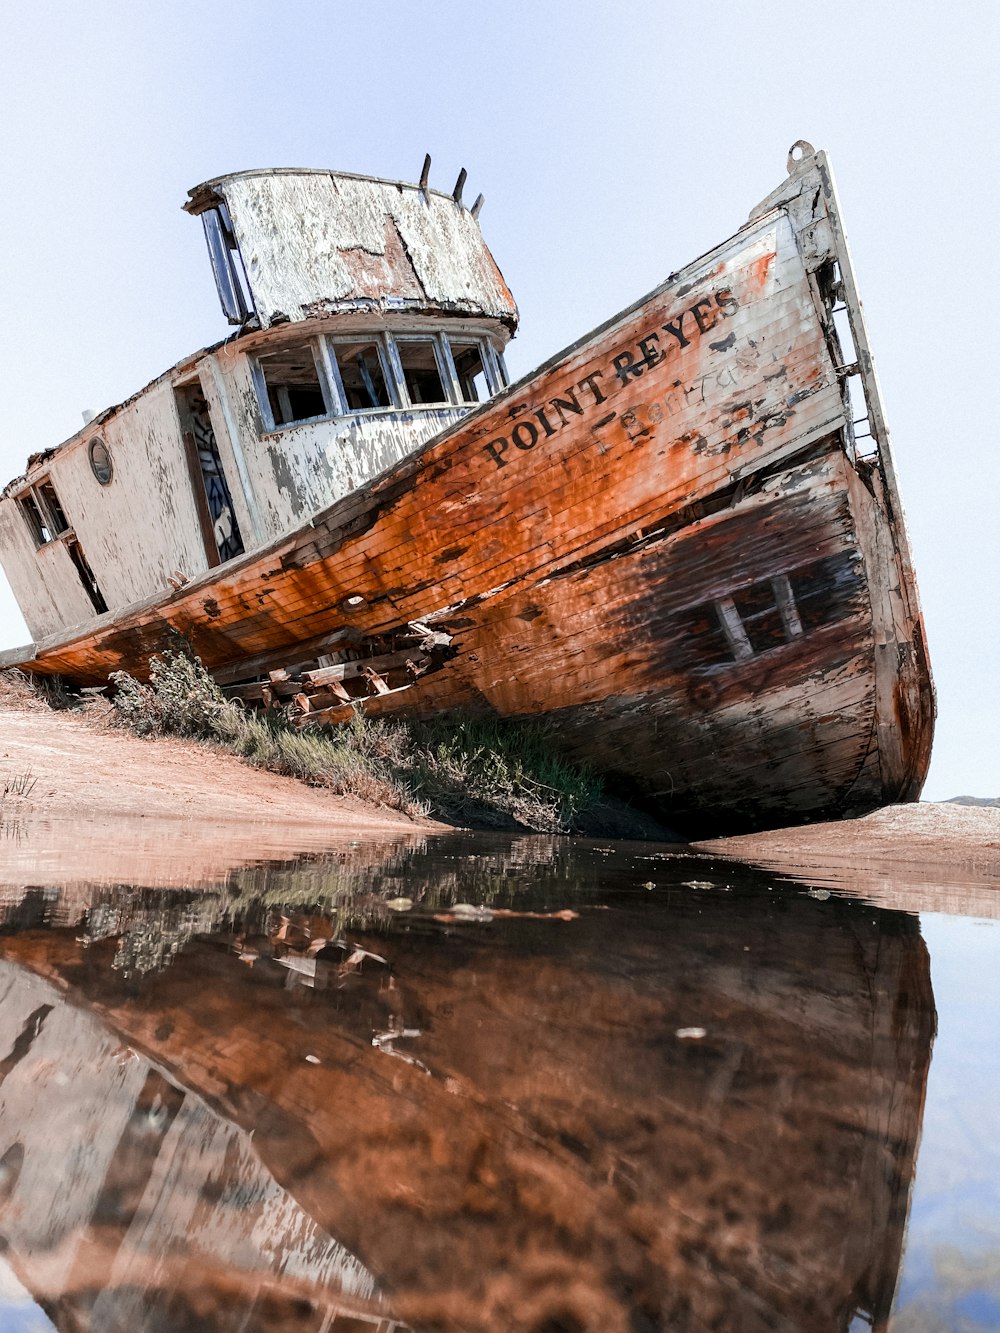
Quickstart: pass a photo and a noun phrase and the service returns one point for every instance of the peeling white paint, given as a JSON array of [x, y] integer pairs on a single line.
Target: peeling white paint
[[313, 242]]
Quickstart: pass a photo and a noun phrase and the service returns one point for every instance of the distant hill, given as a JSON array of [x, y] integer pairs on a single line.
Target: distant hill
[[991, 801]]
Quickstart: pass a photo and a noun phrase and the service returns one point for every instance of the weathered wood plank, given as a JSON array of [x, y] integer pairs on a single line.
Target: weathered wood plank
[[347, 670]]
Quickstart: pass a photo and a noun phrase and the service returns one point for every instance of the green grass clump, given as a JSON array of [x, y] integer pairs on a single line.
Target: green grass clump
[[481, 773], [491, 773]]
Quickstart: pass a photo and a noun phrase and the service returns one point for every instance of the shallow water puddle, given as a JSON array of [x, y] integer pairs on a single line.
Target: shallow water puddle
[[493, 1083]]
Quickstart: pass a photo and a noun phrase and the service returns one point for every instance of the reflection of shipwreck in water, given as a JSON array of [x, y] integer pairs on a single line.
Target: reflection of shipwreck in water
[[558, 1154], [128, 1203]]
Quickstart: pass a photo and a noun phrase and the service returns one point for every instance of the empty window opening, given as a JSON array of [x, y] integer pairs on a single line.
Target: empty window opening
[[214, 502], [768, 614], [293, 385], [418, 358], [43, 513], [37, 525], [90, 584], [760, 617], [762, 622], [362, 376], [473, 382], [47, 494], [227, 265]]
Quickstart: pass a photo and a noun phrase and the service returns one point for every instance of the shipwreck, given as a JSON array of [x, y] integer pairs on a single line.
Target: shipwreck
[[679, 542]]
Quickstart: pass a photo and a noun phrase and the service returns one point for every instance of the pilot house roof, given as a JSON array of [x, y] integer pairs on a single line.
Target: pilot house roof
[[291, 245]]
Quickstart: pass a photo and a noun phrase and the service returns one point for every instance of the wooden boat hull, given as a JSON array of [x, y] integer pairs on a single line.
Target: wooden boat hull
[[665, 542]]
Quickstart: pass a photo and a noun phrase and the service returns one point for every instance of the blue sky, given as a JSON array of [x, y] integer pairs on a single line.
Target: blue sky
[[950, 1274], [613, 144]]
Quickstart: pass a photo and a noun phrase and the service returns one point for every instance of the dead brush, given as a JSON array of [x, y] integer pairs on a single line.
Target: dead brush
[[18, 689], [486, 774], [20, 785]]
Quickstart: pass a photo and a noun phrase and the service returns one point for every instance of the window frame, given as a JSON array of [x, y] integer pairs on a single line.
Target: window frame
[[387, 362], [492, 363], [443, 361], [228, 268], [43, 520], [93, 444], [323, 347], [263, 394]]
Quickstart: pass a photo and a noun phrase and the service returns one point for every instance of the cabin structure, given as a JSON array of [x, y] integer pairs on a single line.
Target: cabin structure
[[369, 317]]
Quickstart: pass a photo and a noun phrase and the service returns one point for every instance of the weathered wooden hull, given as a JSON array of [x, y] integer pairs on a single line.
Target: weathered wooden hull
[[664, 542]]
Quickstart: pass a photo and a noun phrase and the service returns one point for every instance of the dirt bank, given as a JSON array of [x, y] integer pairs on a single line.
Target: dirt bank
[[87, 803], [82, 768]]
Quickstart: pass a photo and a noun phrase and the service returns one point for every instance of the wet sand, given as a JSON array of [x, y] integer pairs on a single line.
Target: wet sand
[[188, 811], [929, 857]]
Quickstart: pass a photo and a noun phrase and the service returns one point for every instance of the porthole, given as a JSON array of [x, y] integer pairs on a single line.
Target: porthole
[[100, 461]]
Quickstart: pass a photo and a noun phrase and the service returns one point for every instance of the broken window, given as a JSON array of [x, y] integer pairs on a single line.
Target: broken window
[[227, 264], [47, 494], [760, 617], [37, 525], [473, 381], [422, 376], [292, 384], [773, 611], [219, 526], [329, 376], [42, 512], [362, 376]]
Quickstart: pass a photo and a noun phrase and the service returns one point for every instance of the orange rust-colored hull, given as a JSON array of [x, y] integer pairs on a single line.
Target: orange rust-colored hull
[[664, 542]]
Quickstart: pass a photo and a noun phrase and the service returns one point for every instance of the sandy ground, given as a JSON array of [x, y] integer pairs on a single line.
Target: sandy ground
[[81, 768], [108, 806], [925, 857]]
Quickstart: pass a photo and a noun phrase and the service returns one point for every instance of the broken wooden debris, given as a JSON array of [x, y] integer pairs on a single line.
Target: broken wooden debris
[[249, 667], [344, 670], [333, 717], [326, 689], [287, 683]]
